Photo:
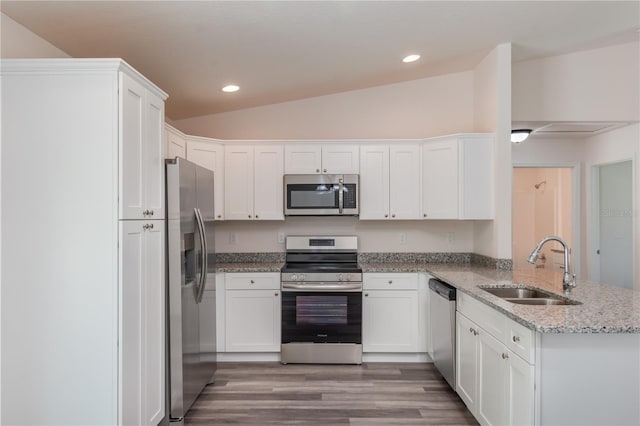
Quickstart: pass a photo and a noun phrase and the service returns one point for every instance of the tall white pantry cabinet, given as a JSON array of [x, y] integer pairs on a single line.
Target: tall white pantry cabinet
[[83, 244]]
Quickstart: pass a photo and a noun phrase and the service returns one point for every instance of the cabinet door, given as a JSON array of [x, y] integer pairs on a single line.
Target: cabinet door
[[404, 181], [141, 158], [476, 178], [466, 360], [252, 320], [390, 321], [210, 155], [268, 184], [440, 180], [142, 330], [153, 157], [238, 182], [520, 391], [341, 159], [374, 182], [176, 145], [492, 380], [131, 150], [302, 159]]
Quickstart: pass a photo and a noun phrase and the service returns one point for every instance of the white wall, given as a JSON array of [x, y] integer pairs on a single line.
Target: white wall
[[415, 109], [594, 85], [16, 41], [492, 107], [374, 236]]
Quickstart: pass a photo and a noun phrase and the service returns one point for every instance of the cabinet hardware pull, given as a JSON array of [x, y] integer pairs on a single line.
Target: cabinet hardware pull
[[150, 212], [219, 216], [505, 356], [390, 281], [317, 170], [386, 215], [324, 171], [249, 216], [275, 294], [252, 282], [393, 215], [366, 295], [147, 226], [424, 215], [515, 339], [256, 216]]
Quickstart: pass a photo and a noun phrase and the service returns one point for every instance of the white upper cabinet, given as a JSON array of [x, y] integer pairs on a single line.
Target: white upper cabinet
[[253, 182], [440, 179], [404, 181], [141, 114], [309, 158], [175, 144], [457, 177], [268, 182], [390, 181], [210, 155]]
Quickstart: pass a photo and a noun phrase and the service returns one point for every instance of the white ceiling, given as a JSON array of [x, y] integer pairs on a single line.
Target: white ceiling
[[286, 50]]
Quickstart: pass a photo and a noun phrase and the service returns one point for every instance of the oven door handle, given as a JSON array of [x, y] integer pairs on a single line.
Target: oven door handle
[[354, 286]]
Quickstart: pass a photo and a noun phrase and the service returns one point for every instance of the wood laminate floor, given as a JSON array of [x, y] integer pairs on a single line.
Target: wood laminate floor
[[368, 394]]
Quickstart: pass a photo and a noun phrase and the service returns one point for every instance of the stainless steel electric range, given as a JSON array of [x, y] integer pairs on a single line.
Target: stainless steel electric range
[[321, 301]]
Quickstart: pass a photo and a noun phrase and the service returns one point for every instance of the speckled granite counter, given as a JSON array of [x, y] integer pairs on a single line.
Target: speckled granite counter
[[604, 308], [249, 266]]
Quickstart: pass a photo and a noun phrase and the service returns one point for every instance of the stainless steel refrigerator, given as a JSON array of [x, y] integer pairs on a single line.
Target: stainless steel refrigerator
[[190, 257]]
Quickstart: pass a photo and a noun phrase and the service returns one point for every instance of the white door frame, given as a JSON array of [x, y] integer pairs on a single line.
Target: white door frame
[[594, 226], [576, 249]]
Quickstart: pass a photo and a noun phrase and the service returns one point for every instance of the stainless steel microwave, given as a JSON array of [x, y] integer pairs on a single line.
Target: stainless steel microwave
[[321, 195]]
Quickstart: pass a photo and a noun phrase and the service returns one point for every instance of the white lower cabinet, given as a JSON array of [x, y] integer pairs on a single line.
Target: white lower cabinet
[[496, 384], [252, 312], [390, 314]]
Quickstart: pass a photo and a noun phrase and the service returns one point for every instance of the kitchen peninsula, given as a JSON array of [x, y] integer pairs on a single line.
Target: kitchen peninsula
[[565, 364]]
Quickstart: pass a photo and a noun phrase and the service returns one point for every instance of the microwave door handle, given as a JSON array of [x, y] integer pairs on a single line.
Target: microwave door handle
[[340, 195]]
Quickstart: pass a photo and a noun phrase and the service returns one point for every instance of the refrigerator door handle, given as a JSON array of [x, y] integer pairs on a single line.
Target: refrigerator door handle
[[203, 246]]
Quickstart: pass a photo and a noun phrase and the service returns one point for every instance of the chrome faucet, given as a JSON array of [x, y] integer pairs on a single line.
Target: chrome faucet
[[568, 280]]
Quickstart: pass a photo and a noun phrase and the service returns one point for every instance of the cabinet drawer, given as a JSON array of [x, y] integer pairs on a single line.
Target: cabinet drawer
[[249, 281], [520, 340], [384, 281], [486, 317]]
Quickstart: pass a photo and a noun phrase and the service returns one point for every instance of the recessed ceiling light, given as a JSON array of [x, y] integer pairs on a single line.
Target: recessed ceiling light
[[411, 58], [231, 88]]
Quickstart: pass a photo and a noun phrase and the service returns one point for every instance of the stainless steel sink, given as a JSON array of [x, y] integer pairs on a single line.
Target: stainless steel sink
[[528, 296], [543, 301], [517, 293]]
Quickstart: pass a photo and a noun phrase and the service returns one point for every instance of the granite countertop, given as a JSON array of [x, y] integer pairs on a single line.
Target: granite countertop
[[604, 308], [249, 266]]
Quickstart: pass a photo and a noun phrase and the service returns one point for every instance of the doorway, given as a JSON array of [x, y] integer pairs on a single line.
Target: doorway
[[613, 224], [543, 201]]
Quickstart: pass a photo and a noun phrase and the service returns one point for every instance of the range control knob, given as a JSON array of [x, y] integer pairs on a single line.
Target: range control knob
[[294, 277], [340, 277], [348, 277], [302, 277]]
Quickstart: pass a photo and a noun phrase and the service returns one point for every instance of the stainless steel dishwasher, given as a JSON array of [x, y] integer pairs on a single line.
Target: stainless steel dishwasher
[[442, 310]]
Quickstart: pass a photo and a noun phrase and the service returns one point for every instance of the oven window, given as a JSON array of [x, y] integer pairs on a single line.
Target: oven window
[[319, 309]]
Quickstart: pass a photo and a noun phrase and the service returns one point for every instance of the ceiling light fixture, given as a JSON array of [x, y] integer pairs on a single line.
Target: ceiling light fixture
[[519, 135], [231, 88], [410, 58]]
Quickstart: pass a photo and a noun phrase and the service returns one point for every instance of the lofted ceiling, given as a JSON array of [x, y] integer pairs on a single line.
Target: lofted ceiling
[[279, 51]]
